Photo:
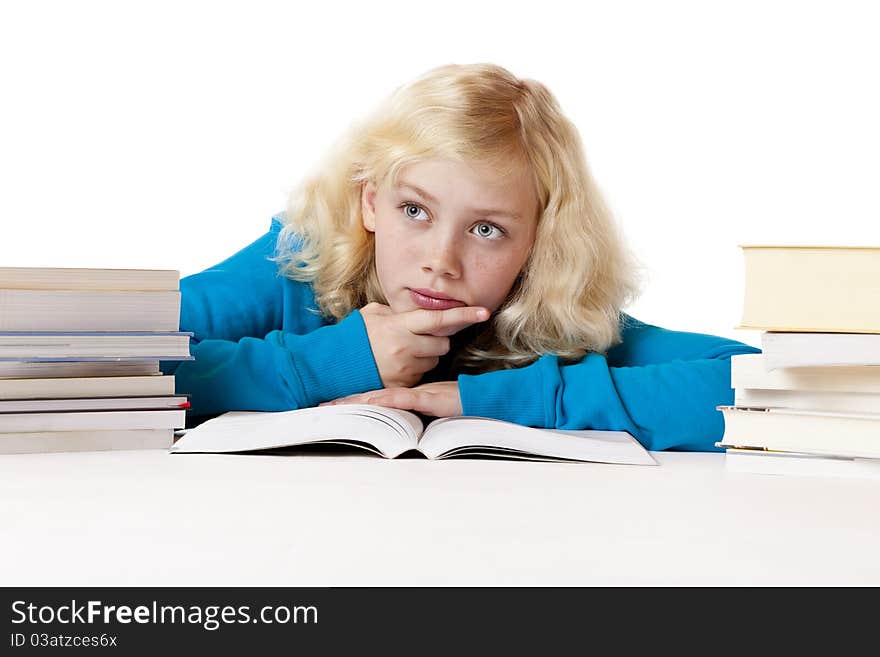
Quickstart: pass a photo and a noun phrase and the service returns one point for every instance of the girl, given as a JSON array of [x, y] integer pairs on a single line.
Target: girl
[[451, 255]]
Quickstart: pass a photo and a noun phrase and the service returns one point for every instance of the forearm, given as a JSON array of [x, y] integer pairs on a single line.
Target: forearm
[[664, 406], [283, 371]]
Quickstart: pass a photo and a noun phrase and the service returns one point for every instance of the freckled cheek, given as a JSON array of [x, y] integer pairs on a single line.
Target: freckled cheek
[[406, 256], [496, 268], [396, 256], [408, 248], [493, 277]]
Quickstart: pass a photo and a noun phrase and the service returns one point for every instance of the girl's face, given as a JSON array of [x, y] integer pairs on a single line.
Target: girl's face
[[450, 229]]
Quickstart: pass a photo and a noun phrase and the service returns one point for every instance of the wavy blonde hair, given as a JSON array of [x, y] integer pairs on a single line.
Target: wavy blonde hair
[[579, 275]]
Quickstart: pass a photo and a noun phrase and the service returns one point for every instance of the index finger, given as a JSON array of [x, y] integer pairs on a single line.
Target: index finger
[[427, 322]]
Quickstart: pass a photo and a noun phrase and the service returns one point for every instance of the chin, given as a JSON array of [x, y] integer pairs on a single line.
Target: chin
[[398, 307]]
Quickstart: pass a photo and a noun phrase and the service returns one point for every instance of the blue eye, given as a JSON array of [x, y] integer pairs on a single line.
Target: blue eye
[[406, 206], [492, 227], [499, 233]]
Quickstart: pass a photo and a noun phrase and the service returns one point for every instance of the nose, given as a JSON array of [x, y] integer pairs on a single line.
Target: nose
[[442, 257]]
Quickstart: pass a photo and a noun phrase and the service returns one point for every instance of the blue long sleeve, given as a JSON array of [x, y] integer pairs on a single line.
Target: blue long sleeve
[[661, 386], [260, 344]]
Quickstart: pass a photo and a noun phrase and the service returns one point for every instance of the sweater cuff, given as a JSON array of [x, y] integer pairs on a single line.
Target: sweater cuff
[[336, 360], [517, 395]]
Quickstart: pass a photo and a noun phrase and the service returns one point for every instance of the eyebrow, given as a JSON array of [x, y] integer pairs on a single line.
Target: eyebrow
[[484, 212]]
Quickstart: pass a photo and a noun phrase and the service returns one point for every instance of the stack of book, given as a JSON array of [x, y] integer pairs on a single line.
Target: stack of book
[[810, 403], [79, 359]]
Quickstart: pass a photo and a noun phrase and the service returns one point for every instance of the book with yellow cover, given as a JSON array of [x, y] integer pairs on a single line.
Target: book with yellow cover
[[833, 289]]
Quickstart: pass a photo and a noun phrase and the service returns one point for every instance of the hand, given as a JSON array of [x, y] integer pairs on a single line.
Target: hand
[[406, 345], [439, 399]]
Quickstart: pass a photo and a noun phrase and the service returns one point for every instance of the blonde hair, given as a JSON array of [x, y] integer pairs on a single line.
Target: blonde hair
[[579, 274]]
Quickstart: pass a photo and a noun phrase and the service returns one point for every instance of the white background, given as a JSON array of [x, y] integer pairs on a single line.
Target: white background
[[165, 134]]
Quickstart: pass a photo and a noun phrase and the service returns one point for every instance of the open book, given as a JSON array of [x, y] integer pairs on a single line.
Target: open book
[[391, 432]]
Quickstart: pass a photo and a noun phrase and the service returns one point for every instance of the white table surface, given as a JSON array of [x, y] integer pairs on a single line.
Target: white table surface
[[149, 518]]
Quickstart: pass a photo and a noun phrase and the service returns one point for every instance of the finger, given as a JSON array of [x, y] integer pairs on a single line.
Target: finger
[[437, 322], [411, 399], [351, 399], [427, 363], [429, 346], [404, 398]]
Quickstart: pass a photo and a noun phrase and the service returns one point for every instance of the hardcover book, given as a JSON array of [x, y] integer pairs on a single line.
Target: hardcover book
[[811, 288]]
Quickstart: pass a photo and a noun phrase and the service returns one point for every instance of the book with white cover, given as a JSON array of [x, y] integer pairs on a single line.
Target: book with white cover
[[85, 278], [89, 310], [796, 430], [809, 400], [754, 461], [18, 369], [749, 371], [85, 441], [91, 421], [792, 349], [845, 389], [391, 432], [98, 386], [53, 345], [93, 404]]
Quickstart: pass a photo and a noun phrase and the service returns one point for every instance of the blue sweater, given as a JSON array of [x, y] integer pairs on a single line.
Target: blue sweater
[[258, 347]]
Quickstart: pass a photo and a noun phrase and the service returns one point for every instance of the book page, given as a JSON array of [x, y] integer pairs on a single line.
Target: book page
[[445, 436], [503, 454], [390, 431]]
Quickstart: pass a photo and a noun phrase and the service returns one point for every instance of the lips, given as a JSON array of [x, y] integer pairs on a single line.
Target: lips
[[425, 298]]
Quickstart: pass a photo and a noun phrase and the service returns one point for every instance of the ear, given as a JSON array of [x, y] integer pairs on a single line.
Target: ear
[[368, 205]]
